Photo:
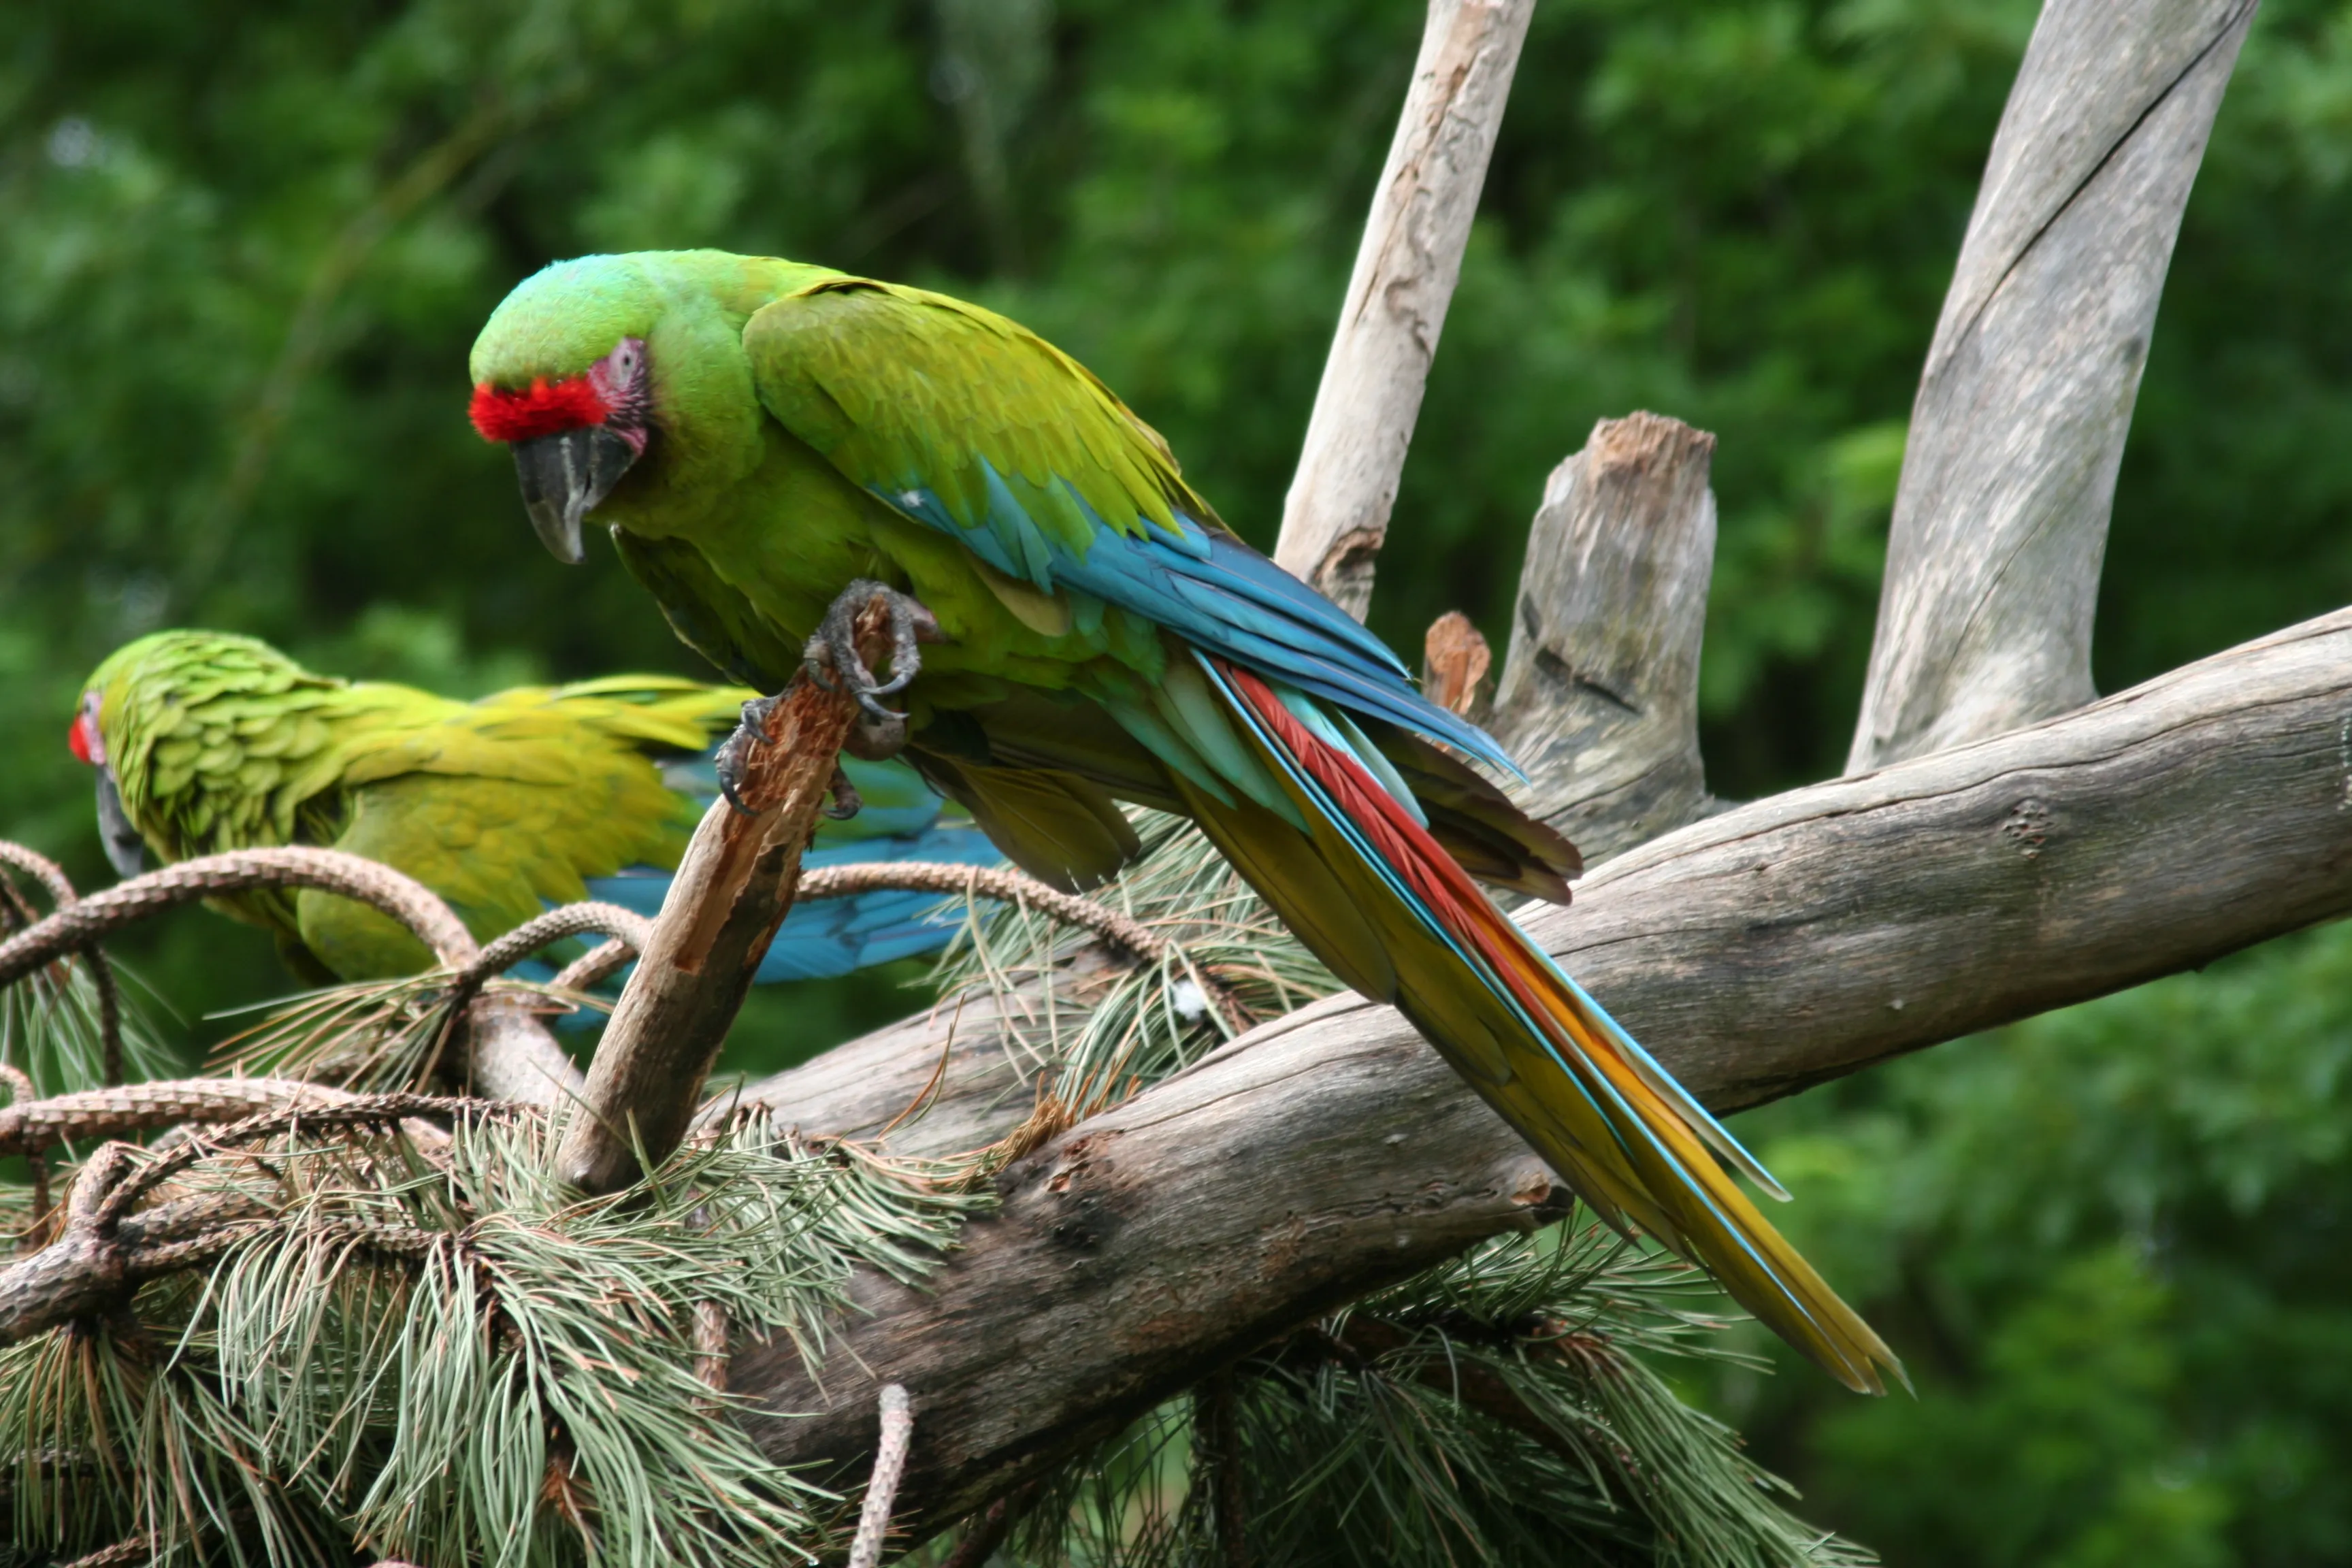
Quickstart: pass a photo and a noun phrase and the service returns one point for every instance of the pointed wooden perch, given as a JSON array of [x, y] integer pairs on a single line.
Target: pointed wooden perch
[[731, 892], [1337, 511]]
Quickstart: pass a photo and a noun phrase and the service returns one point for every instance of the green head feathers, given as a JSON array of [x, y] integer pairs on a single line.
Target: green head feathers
[[624, 377], [207, 736], [562, 319], [502, 805]]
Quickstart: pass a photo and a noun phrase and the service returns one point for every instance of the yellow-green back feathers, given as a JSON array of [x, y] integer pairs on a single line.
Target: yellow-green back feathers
[[502, 805]]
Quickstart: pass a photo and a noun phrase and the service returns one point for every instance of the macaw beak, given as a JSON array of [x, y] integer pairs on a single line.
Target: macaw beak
[[564, 476], [125, 850]]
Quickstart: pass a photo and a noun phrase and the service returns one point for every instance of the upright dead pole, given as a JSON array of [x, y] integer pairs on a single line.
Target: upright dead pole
[[2001, 520], [1338, 512], [731, 892], [1599, 700]]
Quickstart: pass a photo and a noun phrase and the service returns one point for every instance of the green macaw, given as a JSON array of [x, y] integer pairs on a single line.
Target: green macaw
[[205, 741], [773, 443]]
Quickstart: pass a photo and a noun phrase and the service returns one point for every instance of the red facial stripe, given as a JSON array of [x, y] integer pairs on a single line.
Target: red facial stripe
[[79, 737], [546, 408]]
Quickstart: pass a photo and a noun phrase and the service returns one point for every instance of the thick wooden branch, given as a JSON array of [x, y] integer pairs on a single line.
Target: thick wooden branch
[[732, 890], [1599, 700], [1337, 511], [2001, 520], [1757, 951]]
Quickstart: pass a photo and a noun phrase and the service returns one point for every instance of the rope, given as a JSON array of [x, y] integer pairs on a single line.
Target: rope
[[32, 1125], [52, 875], [882, 1490], [76, 924], [629, 927]]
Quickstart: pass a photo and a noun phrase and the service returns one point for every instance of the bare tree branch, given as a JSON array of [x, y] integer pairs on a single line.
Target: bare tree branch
[[1993, 569], [732, 890], [1755, 952], [1599, 700], [510, 1054], [1337, 510]]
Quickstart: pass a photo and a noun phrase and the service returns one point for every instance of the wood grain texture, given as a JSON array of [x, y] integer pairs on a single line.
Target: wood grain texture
[[2000, 518], [732, 889], [1454, 659], [1599, 700], [1755, 952], [1337, 514], [510, 1054]]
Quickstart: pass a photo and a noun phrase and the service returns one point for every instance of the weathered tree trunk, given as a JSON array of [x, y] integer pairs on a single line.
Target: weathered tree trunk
[[1600, 697], [1755, 952], [2000, 521]]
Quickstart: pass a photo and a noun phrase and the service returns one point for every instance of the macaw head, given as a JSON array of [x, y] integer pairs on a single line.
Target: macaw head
[[125, 850], [562, 375], [148, 715]]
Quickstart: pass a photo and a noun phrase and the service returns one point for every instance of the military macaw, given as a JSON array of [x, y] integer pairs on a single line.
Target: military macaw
[[771, 443], [206, 741]]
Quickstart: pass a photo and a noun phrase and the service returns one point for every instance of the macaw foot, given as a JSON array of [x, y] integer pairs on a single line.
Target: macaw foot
[[752, 732], [834, 662], [847, 802]]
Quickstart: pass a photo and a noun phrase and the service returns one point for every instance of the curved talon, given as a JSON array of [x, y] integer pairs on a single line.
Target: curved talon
[[846, 801], [751, 730], [833, 651], [726, 792]]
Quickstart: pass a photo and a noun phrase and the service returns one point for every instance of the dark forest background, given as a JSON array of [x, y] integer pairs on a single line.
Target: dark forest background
[[243, 249]]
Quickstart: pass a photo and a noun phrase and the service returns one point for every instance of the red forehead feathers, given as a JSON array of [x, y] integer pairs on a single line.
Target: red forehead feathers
[[545, 408], [77, 738]]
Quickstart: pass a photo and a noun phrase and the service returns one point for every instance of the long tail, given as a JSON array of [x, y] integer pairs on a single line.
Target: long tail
[[1373, 893]]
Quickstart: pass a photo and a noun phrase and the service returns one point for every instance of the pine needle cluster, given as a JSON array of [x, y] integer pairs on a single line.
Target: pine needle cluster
[[421, 1346], [1509, 1407], [1097, 1026]]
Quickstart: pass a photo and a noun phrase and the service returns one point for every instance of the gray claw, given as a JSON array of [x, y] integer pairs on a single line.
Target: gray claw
[[832, 658], [845, 801], [752, 732]]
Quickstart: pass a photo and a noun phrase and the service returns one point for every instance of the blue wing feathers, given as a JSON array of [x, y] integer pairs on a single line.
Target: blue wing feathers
[[1213, 590]]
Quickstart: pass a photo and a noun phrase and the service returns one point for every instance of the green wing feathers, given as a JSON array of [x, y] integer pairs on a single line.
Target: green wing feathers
[[880, 380]]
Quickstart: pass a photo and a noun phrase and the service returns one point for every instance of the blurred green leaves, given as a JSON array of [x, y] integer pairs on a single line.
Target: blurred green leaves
[[2115, 1245]]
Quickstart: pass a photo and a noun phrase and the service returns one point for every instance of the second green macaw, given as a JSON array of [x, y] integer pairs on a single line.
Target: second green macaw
[[772, 443], [206, 741]]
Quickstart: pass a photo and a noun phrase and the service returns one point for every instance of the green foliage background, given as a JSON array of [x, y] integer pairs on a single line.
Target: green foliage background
[[243, 249]]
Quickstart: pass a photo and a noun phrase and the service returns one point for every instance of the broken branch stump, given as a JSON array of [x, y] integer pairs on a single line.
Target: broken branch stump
[[731, 892]]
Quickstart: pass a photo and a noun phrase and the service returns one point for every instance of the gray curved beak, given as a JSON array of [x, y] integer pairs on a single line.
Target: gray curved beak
[[564, 478], [125, 850]]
